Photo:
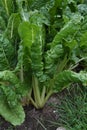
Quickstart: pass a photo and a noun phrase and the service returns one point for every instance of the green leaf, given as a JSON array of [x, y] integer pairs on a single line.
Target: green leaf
[[2, 24], [44, 7], [38, 18], [15, 116], [27, 33], [63, 79], [12, 27], [20, 62], [82, 8], [9, 92], [9, 78], [37, 50], [72, 44], [33, 39], [12, 87], [83, 39], [8, 75], [69, 29], [36, 4], [8, 5], [10, 96], [23, 9], [52, 57], [6, 56]]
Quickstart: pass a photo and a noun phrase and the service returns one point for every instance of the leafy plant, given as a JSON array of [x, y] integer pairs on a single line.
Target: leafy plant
[[47, 75], [43, 52]]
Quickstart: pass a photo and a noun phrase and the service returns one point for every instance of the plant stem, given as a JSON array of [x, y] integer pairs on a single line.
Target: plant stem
[[62, 64], [47, 97], [43, 93], [36, 91], [33, 102], [39, 99]]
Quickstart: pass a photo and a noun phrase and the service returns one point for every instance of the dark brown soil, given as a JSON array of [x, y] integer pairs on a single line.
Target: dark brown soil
[[36, 119]]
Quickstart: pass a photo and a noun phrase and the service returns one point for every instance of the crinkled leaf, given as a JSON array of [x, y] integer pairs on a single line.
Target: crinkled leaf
[[51, 57], [69, 29], [7, 75], [38, 18], [10, 95], [37, 52], [6, 56], [10, 84], [12, 26], [27, 33], [12, 88], [15, 116], [2, 24], [22, 7], [71, 44], [9, 92], [36, 4], [66, 77], [83, 39], [8, 78], [82, 8], [44, 7], [33, 38], [20, 62]]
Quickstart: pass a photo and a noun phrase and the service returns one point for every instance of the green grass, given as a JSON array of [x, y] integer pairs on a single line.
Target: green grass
[[73, 109]]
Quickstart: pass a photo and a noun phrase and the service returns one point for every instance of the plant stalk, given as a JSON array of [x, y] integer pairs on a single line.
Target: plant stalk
[[39, 99], [43, 93], [33, 102], [36, 91]]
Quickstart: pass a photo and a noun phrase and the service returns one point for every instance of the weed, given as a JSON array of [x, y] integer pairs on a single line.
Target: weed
[[73, 109]]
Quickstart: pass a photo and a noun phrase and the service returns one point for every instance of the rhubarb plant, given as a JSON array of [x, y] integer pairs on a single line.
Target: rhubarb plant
[[50, 71], [41, 45]]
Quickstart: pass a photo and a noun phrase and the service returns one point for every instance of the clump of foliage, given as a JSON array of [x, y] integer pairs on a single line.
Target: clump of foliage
[[73, 108], [41, 44]]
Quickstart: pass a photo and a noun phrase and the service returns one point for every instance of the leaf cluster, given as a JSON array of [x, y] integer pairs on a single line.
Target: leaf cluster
[[41, 45]]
